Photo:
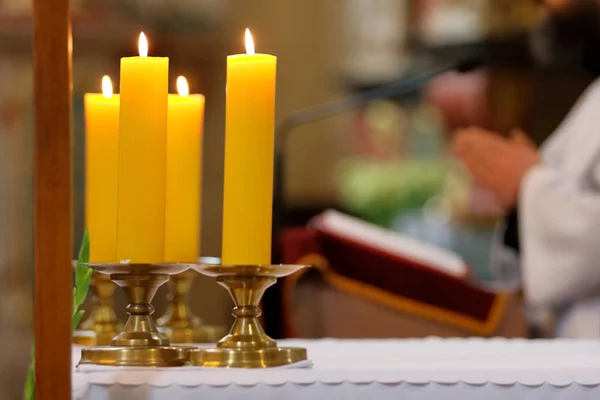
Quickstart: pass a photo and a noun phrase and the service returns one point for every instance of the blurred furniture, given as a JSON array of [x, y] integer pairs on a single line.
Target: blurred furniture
[[465, 369], [348, 295]]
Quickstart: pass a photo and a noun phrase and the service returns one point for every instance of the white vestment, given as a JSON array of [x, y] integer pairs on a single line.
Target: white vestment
[[559, 226]]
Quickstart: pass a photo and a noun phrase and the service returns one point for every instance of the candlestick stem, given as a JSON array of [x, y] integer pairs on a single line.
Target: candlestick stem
[[247, 345], [140, 329], [102, 325], [140, 343], [246, 331], [179, 323]]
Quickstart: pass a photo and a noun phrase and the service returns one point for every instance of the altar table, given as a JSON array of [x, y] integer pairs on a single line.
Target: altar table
[[411, 369]]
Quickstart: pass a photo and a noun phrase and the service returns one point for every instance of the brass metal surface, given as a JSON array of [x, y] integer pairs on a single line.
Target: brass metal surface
[[84, 338], [166, 356], [247, 345], [179, 324], [253, 358], [103, 320], [140, 343]]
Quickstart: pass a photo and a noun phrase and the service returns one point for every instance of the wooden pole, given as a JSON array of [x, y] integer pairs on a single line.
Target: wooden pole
[[53, 198]]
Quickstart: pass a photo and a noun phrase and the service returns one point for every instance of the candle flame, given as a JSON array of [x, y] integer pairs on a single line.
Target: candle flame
[[107, 89], [143, 45], [182, 86], [249, 42]]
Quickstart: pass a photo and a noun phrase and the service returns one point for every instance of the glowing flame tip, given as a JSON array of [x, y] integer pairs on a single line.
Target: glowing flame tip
[[143, 45], [107, 89], [182, 86], [249, 42]]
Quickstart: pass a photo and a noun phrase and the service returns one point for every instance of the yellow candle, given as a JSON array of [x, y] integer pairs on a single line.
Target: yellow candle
[[142, 157], [101, 172], [184, 165], [249, 142]]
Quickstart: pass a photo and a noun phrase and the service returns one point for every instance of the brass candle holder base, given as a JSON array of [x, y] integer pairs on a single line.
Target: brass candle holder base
[[247, 345], [161, 356], [179, 324], [84, 338], [102, 325], [140, 343]]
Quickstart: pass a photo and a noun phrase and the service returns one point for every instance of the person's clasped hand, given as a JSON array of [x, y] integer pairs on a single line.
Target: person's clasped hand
[[499, 164]]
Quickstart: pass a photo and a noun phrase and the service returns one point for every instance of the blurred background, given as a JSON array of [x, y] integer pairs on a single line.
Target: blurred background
[[386, 163]]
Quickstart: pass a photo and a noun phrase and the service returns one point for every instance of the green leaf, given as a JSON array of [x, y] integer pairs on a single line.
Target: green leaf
[[83, 273], [84, 250], [77, 319], [75, 306], [29, 391], [82, 261], [80, 272], [83, 287]]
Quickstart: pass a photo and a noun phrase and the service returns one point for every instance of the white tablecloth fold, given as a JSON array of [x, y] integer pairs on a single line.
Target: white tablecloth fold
[[100, 368], [475, 362]]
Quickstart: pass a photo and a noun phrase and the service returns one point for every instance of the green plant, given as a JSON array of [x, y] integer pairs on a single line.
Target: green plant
[[83, 274]]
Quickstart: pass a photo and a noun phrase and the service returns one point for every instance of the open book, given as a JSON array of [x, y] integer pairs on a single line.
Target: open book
[[372, 238]]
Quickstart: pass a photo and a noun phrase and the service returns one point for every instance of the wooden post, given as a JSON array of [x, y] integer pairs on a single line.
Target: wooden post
[[53, 198]]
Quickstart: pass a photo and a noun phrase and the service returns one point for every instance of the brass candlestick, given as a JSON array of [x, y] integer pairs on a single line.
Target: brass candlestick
[[102, 323], [247, 345], [179, 323], [140, 343]]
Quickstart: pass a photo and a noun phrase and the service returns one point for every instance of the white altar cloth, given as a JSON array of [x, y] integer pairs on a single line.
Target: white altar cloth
[[376, 369]]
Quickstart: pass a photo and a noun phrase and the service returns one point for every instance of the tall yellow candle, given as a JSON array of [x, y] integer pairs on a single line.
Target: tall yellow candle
[[101, 172], [142, 157], [184, 166], [249, 145]]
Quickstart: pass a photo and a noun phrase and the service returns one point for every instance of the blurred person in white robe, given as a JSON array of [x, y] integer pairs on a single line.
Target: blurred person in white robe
[[549, 242]]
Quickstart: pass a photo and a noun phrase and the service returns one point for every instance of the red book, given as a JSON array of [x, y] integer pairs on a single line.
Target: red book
[[393, 270], [383, 243]]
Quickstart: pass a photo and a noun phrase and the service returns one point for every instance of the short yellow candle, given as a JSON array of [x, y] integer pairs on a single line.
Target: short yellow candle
[[101, 172], [142, 157], [184, 166], [249, 145]]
